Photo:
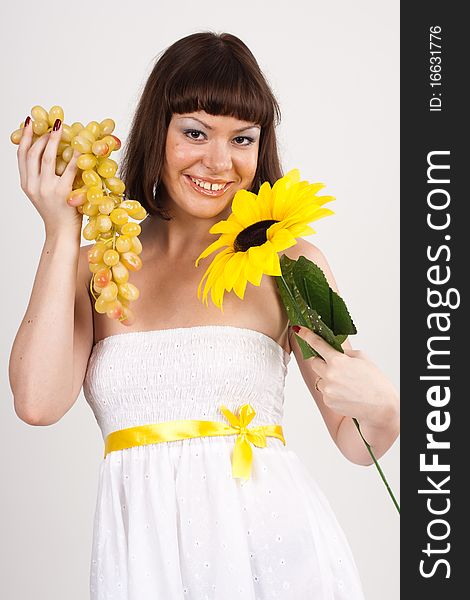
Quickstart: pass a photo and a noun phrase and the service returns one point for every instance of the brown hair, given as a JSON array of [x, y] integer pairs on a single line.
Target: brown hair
[[206, 71]]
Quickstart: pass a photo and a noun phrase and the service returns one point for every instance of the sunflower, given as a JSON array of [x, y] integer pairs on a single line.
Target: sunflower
[[260, 226]]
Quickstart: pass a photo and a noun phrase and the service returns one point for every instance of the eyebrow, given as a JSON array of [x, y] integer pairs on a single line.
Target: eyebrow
[[209, 127]]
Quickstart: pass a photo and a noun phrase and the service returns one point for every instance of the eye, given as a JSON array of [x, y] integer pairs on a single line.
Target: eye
[[194, 133], [190, 131], [245, 137]]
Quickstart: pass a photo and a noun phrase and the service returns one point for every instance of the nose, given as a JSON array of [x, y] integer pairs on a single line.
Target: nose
[[218, 157]]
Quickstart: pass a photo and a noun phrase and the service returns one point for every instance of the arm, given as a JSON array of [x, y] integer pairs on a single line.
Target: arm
[[378, 418], [51, 349]]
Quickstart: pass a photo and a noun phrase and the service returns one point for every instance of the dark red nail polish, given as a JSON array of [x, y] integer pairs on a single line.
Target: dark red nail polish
[[26, 123], [56, 125], [296, 328]]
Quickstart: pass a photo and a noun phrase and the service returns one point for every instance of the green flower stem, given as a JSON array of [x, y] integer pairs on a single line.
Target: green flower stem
[[377, 465], [300, 316]]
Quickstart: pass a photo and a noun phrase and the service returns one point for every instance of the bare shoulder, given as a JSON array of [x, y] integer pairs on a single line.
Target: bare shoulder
[[305, 248]]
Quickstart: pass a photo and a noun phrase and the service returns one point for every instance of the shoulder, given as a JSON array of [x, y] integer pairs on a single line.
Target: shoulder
[[312, 252]]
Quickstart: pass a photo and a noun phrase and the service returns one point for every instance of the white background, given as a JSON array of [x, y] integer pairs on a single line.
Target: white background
[[333, 67]]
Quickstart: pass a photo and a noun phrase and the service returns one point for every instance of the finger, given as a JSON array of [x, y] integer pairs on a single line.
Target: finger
[[326, 351], [49, 157], [33, 159], [23, 147], [353, 353], [67, 177]]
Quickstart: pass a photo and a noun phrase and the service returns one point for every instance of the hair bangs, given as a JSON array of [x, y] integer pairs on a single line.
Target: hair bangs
[[219, 87]]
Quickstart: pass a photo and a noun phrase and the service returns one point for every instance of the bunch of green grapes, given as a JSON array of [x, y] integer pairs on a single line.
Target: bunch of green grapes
[[99, 194]]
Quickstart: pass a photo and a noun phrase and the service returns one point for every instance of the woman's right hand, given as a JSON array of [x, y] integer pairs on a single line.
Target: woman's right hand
[[47, 191]]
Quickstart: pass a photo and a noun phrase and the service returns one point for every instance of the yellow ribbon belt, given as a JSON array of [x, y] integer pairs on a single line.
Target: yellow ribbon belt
[[170, 431]]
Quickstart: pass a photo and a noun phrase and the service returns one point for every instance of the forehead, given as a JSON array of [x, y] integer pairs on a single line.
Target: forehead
[[214, 121]]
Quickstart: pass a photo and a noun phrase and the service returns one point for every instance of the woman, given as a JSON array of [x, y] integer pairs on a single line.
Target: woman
[[171, 521]]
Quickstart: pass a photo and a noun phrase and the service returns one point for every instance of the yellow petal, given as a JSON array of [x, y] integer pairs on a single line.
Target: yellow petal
[[226, 227], [283, 239], [232, 270], [253, 272], [245, 207], [217, 244]]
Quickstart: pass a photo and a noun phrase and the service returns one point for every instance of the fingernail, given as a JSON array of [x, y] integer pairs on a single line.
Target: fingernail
[[27, 121], [296, 328], [56, 125]]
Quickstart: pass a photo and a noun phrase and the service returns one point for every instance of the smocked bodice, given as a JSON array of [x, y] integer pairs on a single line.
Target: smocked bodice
[[144, 377]]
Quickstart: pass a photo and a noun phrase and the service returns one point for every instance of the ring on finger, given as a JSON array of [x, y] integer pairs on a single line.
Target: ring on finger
[[317, 380]]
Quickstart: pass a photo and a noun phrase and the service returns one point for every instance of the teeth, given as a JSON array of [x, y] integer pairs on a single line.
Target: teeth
[[207, 186]]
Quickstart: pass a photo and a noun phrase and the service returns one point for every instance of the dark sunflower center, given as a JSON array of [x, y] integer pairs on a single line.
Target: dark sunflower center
[[254, 235]]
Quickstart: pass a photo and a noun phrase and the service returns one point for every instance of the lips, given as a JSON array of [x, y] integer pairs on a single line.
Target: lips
[[205, 192]]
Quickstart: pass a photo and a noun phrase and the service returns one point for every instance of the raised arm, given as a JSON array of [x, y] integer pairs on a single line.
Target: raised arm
[[54, 340]]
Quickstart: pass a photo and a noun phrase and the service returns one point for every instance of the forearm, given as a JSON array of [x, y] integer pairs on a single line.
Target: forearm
[[379, 436], [41, 360]]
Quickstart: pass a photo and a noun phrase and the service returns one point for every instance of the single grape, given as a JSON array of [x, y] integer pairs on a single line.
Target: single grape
[[110, 291], [95, 254], [94, 128], [115, 185], [111, 257], [107, 168], [55, 112], [91, 178], [129, 291], [81, 143], [119, 216], [120, 273], [40, 114], [115, 311], [67, 154], [106, 206], [103, 223], [131, 229], [107, 126], [131, 260], [100, 148], [40, 127], [123, 244], [128, 317], [16, 136], [86, 161], [95, 195], [136, 245], [91, 210]]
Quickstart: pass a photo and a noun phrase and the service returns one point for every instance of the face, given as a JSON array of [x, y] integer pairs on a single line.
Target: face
[[212, 149]]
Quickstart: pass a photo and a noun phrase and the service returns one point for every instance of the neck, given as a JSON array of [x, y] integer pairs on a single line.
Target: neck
[[184, 235]]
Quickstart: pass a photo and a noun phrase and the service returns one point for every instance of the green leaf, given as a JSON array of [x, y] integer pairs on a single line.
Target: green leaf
[[317, 293], [306, 295]]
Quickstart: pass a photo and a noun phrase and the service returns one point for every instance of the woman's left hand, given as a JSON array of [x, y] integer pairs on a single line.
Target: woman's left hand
[[350, 383]]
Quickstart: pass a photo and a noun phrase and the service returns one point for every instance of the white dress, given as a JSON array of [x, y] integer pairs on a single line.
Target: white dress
[[171, 523]]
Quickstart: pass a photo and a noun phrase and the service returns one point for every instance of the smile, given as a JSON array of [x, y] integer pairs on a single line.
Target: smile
[[205, 191]]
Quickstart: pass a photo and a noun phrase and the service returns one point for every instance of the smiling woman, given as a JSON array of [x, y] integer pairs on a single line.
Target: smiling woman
[[186, 507], [203, 130], [203, 78]]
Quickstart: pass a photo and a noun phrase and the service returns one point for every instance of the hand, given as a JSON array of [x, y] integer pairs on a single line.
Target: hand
[[350, 383], [47, 191]]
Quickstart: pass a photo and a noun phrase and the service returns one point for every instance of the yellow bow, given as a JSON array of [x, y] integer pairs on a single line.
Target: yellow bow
[[243, 453], [154, 433]]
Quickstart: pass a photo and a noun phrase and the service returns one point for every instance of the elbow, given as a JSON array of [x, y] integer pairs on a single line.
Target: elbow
[[361, 461], [31, 417]]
